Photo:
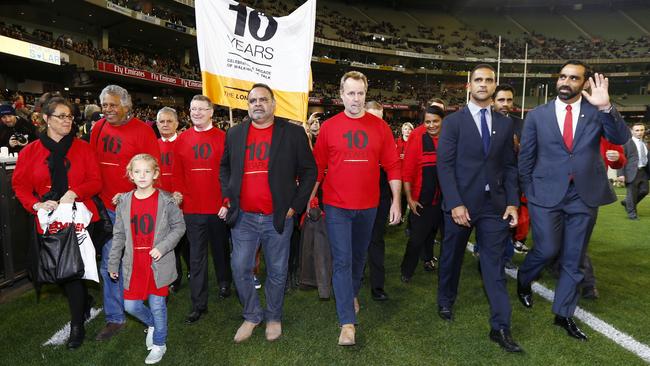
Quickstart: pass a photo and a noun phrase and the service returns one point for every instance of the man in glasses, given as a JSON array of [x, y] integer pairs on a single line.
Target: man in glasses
[[195, 181]]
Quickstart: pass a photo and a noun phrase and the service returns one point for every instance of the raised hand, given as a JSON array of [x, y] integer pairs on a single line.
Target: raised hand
[[599, 96]]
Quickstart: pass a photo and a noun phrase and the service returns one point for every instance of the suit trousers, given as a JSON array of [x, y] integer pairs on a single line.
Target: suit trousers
[[423, 231], [562, 230], [636, 191], [492, 231], [202, 229], [377, 248]]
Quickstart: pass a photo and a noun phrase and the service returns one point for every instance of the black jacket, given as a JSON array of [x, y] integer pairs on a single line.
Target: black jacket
[[291, 160]]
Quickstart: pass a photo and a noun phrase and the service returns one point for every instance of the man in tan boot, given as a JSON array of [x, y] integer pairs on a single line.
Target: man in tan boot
[[261, 163], [349, 150]]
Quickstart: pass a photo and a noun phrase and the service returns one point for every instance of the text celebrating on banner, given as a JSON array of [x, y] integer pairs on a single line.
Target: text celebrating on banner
[[240, 46]]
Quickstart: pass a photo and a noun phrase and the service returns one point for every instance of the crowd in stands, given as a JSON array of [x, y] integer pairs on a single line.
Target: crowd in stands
[[158, 11], [119, 55]]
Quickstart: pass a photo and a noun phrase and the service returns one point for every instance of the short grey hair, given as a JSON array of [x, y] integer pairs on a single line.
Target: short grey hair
[[169, 110], [116, 90], [89, 110]]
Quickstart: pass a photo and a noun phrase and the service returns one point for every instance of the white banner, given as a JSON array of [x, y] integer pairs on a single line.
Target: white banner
[[239, 46]]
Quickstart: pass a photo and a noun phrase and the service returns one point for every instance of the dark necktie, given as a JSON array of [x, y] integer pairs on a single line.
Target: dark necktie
[[485, 132], [567, 133]]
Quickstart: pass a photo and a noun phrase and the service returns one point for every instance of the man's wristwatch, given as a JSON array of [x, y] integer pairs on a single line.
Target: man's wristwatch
[[607, 110]]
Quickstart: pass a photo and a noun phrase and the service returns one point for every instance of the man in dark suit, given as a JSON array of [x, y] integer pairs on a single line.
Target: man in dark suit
[[636, 172], [564, 179], [478, 177], [267, 173]]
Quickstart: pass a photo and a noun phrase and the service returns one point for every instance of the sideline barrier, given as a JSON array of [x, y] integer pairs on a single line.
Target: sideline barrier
[[15, 229]]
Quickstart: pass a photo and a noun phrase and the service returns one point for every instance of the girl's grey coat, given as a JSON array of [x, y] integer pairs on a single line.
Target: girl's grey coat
[[169, 229]]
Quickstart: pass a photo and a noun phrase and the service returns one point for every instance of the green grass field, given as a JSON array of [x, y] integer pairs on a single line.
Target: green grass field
[[402, 331]]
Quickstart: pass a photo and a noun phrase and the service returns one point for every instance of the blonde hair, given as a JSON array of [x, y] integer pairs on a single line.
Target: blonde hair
[[355, 75], [409, 125], [145, 157]]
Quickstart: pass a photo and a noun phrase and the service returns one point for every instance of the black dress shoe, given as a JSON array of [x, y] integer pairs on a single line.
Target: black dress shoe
[[445, 313], [224, 291], [570, 326], [77, 335], [524, 293], [590, 293], [194, 316], [378, 294], [504, 339]]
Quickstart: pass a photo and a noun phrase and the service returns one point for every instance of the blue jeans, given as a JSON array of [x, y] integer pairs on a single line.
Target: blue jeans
[[349, 234], [249, 232], [113, 290], [153, 316]]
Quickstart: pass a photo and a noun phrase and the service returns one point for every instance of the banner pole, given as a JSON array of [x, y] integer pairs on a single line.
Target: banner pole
[[523, 92], [499, 62], [230, 115]]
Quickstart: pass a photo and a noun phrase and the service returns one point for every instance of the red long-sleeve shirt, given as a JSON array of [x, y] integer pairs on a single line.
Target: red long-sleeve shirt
[[114, 148], [350, 150], [166, 162], [606, 145], [415, 159], [196, 170], [31, 177], [400, 146]]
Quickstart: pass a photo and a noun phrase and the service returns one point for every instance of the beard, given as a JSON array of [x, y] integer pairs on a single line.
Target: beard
[[566, 93]]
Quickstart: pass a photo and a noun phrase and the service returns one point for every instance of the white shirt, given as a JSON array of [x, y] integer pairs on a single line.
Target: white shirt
[[560, 113], [642, 151], [475, 110], [171, 139]]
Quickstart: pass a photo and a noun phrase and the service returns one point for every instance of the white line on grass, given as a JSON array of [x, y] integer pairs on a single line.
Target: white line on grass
[[61, 336], [622, 339]]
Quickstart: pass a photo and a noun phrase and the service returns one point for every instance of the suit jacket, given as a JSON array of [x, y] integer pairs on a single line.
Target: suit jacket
[[632, 167], [463, 168], [546, 164], [517, 125], [291, 159]]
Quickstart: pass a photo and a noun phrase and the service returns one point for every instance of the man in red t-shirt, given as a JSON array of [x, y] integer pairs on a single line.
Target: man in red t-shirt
[[267, 173], [350, 147], [195, 182], [167, 123], [116, 139]]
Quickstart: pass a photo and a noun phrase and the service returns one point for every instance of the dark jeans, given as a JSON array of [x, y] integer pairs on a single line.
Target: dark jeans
[[249, 232], [349, 234], [201, 229]]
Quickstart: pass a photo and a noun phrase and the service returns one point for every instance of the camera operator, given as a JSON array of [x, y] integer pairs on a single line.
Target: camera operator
[[15, 132]]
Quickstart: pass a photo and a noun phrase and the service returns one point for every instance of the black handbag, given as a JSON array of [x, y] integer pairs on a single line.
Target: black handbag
[[100, 231], [59, 255]]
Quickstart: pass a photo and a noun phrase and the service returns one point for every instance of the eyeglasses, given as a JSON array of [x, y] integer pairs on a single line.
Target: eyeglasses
[[195, 109], [64, 116]]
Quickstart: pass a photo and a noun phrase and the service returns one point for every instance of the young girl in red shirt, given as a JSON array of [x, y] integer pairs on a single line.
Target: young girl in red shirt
[[148, 225]]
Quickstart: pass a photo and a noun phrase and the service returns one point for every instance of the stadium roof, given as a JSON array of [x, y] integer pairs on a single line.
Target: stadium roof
[[459, 5]]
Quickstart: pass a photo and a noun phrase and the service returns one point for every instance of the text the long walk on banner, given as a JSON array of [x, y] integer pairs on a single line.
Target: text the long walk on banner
[[239, 46]]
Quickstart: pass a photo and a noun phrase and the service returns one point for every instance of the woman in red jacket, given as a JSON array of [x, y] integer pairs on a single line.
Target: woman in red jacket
[[420, 177], [60, 168]]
